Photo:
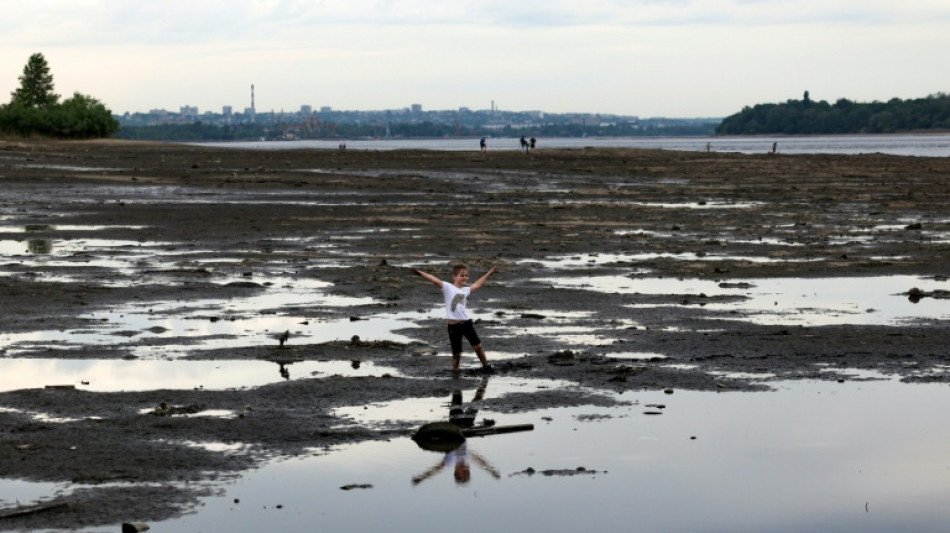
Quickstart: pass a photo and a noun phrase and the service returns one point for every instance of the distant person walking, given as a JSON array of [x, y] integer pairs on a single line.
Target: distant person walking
[[532, 142], [775, 148], [524, 144], [483, 144]]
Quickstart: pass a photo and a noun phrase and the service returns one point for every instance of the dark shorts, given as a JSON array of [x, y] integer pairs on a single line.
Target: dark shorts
[[464, 329]]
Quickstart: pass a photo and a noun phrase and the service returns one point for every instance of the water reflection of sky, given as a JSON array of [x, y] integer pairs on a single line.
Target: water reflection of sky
[[812, 456], [793, 301], [424, 410], [217, 323], [120, 375], [932, 145]]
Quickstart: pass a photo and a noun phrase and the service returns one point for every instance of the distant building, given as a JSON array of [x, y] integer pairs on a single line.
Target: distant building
[[326, 109], [416, 108], [306, 110], [227, 111], [189, 111]]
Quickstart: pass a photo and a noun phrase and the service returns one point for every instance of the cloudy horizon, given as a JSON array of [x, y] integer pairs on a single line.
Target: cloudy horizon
[[649, 58]]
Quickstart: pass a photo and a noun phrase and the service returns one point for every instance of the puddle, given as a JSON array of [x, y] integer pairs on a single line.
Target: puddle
[[32, 228], [422, 410], [875, 300], [575, 262], [16, 491], [45, 417], [216, 323], [209, 413], [117, 375], [566, 327], [70, 168], [637, 356], [855, 456]]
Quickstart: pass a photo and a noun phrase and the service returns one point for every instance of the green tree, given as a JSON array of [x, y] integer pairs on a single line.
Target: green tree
[[83, 117], [35, 109], [36, 85]]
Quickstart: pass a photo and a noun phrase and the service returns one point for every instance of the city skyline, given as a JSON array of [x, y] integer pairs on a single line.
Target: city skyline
[[647, 58]]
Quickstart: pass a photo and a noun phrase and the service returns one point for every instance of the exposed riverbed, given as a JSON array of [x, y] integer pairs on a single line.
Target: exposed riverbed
[[135, 274]]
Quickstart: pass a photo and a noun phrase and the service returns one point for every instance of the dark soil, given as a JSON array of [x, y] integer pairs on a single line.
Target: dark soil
[[361, 220]]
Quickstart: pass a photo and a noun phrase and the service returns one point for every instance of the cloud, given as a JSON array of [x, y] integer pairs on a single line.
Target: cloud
[[672, 57], [57, 22]]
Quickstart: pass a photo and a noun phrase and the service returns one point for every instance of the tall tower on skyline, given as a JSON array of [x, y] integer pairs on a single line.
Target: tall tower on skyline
[[253, 107]]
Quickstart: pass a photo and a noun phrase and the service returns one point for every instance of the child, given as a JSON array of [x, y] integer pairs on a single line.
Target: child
[[459, 323]]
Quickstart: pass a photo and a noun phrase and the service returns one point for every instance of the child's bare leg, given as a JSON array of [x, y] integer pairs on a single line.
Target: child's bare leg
[[456, 360], [480, 352]]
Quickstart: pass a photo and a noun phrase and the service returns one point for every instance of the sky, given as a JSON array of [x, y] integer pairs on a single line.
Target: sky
[[648, 58]]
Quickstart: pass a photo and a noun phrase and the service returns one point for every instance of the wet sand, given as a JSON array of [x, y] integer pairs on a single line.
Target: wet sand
[[361, 220]]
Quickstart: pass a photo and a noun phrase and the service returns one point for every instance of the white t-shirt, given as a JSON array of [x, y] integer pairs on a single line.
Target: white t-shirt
[[458, 455], [455, 299]]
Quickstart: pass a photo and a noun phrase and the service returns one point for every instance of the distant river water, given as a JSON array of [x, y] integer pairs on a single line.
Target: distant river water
[[928, 145]]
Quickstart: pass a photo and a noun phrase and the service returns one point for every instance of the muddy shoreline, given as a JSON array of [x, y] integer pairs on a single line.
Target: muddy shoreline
[[217, 224]]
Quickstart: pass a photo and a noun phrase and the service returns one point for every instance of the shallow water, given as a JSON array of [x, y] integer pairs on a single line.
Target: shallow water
[[111, 375], [810, 456], [878, 300], [934, 145]]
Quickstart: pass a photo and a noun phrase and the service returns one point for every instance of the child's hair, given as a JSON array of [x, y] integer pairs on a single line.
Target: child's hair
[[458, 267]]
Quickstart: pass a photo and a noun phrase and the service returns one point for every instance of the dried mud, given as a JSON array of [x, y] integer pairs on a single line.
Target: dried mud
[[360, 220]]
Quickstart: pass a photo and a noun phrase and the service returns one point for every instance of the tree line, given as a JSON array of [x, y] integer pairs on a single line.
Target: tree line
[[808, 117], [36, 111]]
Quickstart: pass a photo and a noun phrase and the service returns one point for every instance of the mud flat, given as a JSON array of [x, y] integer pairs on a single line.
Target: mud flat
[[621, 270]]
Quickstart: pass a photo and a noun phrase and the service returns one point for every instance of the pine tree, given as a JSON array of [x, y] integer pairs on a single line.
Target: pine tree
[[36, 85]]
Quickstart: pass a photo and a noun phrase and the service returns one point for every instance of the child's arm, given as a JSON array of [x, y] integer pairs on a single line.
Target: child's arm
[[428, 277], [481, 281]]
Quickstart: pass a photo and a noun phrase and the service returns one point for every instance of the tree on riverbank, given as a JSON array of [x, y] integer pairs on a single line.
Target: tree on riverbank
[[34, 109], [808, 117]]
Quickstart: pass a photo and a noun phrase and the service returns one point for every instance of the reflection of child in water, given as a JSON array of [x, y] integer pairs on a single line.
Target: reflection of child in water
[[460, 458], [464, 417]]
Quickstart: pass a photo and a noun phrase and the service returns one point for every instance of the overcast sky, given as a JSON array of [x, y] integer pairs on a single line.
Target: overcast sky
[[674, 58]]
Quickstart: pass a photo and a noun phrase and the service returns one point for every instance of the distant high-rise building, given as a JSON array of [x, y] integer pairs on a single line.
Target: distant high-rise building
[[306, 110], [227, 111], [416, 108], [189, 111]]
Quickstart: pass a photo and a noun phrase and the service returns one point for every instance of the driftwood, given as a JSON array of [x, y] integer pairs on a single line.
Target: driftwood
[[496, 430], [31, 509], [446, 436]]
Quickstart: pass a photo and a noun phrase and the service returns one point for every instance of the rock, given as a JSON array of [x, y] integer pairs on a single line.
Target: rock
[[562, 358], [422, 350], [352, 486], [742, 285]]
